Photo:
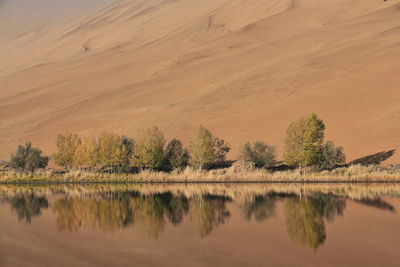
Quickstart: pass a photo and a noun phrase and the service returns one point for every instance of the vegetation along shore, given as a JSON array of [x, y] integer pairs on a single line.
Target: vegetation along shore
[[149, 158]]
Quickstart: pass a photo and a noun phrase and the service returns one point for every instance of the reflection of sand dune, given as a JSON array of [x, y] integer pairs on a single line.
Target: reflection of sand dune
[[242, 68]]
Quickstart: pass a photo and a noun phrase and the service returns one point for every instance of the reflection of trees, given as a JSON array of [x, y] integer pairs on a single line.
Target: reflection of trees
[[153, 211], [28, 206], [305, 218], [105, 214], [261, 208], [111, 213], [208, 212]]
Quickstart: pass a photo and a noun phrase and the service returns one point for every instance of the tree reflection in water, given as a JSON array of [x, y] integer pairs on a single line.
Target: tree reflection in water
[[260, 207], [28, 206], [305, 216], [106, 214], [208, 212]]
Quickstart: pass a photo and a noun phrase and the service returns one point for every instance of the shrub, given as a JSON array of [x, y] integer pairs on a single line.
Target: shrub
[[176, 156], [148, 152], [304, 139], [28, 158], [66, 147], [331, 156], [260, 154]]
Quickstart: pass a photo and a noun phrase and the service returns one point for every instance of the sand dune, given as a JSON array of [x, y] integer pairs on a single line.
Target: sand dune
[[243, 68]]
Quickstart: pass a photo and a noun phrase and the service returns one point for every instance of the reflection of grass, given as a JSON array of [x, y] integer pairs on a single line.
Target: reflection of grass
[[238, 192], [235, 173]]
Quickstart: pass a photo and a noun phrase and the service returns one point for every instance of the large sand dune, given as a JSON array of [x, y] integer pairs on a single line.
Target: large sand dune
[[243, 68]]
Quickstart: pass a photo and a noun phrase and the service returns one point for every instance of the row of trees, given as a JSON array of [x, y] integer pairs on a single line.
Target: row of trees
[[304, 147], [149, 150]]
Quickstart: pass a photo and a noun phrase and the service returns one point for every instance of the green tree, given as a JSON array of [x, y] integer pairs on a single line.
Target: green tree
[[113, 153], [303, 143], [331, 156], [260, 154], [66, 147], [221, 149], [148, 152], [201, 149], [206, 149], [28, 158], [176, 156]]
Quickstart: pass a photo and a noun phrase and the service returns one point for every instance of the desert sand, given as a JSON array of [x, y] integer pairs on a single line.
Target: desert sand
[[243, 68]]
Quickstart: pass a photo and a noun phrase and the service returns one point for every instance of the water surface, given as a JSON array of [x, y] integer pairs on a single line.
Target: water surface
[[188, 226]]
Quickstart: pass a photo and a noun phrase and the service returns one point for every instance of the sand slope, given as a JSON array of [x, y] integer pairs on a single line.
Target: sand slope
[[243, 68]]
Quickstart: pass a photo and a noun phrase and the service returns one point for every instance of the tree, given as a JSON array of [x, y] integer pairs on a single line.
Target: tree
[[260, 154], [202, 149], [176, 156], [304, 139], [148, 152], [113, 152], [28, 158], [331, 156], [86, 154], [221, 149], [66, 147], [206, 149]]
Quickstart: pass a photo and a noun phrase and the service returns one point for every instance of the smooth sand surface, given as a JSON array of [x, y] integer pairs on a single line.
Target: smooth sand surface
[[243, 68]]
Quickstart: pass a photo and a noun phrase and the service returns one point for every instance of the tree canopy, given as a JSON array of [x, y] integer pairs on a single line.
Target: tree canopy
[[28, 158], [303, 143]]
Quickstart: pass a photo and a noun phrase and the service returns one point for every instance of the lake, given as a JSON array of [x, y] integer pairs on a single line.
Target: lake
[[200, 225]]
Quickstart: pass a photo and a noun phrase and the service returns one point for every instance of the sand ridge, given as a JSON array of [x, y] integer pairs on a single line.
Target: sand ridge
[[244, 69]]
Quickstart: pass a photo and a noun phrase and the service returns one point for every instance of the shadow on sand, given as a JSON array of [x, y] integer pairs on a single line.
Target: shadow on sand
[[377, 158]]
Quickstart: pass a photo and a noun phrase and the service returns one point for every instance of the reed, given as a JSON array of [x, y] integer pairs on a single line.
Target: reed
[[238, 172]]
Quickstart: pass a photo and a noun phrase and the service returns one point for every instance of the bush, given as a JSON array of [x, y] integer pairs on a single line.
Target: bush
[[148, 151], [176, 156], [331, 156], [260, 154], [304, 139], [28, 158]]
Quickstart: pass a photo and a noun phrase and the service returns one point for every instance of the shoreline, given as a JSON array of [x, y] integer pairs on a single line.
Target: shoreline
[[204, 182]]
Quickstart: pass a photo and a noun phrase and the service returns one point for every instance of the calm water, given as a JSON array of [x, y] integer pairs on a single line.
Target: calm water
[[184, 227]]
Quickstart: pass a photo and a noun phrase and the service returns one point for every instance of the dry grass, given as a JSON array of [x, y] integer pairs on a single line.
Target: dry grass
[[239, 172]]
